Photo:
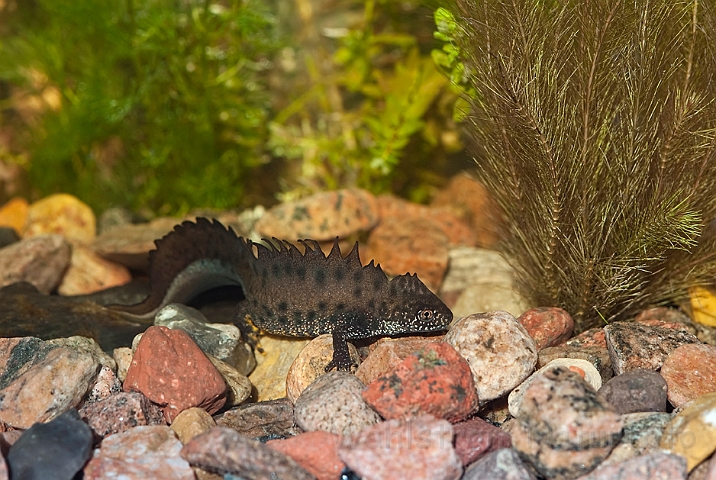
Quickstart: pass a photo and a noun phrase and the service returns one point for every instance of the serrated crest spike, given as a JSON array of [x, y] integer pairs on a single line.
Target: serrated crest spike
[[353, 257], [335, 253]]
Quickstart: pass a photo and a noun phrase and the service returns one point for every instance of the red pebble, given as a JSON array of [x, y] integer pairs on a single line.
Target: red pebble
[[317, 452], [548, 326], [594, 337], [434, 380], [171, 371], [476, 437]]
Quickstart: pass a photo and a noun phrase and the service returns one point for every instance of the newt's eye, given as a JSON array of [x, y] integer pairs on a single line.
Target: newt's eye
[[425, 314]]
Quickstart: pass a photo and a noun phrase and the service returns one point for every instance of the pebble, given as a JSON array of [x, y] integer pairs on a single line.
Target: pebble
[[8, 236], [18, 355], [564, 429], [54, 450], [498, 349], [137, 454], [13, 214], [121, 412], [636, 391], [240, 387], [434, 380], [663, 314], [261, 420], [130, 244], [475, 438], [394, 209], [317, 452], [225, 451], [652, 466], [386, 353], [633, 345], [468, 266], [106, 385], [690, 371], [40, 261], [641, 434], [391, 447], [272, 366], [223, 341], [703, 305], [502, 464], [410, 245], [123, 357], [88, 273], [548, 326], [488, 297], [27, 399], [581, 367], [322, 216], [191, 423], [4, 474], [468, 199], [87, 346], [692, 432], [311, 363], [333, 403], [173, 372], [61, 214], [597, 356], [594, 337]]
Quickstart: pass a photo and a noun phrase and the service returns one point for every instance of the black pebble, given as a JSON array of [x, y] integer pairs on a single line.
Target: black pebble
[[8, 236], [56, 450]]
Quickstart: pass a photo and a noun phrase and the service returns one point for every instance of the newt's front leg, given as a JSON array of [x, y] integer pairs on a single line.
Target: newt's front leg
[[341, 356]]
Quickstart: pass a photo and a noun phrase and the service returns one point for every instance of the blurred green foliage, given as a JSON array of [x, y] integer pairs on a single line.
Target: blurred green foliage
[[167, 105], [378, 117], [160, 102]]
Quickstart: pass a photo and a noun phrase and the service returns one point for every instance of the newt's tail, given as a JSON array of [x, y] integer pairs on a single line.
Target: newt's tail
[[191, 259]]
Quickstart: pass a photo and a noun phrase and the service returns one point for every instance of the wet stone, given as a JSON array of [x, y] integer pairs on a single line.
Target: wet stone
[[633, 345], [220, 340], [333, 403], [410, 245], [173, 372], [502, 464], [225, 451], [120, 412], [322, 216], [564, 429], [594, 337], [636, 391], [692, 432], [107, 384], [381, 451], [62, 214], [317, 452], [434, 380], [311, 363], [40, 261], [597, 356], [192, 423], [88, 273], [386, 353], [272, 366], [548, 326], [28, 399], [690, 371], [54, 450], [261, 420], [475, 438], [239, 385], [641, 435], [498, 349], [137, 454], [652, 466]]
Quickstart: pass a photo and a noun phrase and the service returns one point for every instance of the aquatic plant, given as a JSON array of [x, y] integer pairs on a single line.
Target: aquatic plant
[[593, 124]]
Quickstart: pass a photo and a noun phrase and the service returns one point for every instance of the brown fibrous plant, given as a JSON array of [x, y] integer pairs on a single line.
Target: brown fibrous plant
[[594, 129]]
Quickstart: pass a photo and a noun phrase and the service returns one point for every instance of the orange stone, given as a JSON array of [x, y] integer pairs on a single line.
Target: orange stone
[[62, 214], [14, 214]]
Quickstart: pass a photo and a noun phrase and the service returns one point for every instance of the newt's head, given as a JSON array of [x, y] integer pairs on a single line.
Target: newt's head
[[408, 306]]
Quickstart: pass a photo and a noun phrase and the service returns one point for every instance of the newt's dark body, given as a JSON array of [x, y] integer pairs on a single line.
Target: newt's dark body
[[288, 292]]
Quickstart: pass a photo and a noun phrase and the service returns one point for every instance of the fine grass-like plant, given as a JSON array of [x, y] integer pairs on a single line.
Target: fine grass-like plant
[[593, 126]]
